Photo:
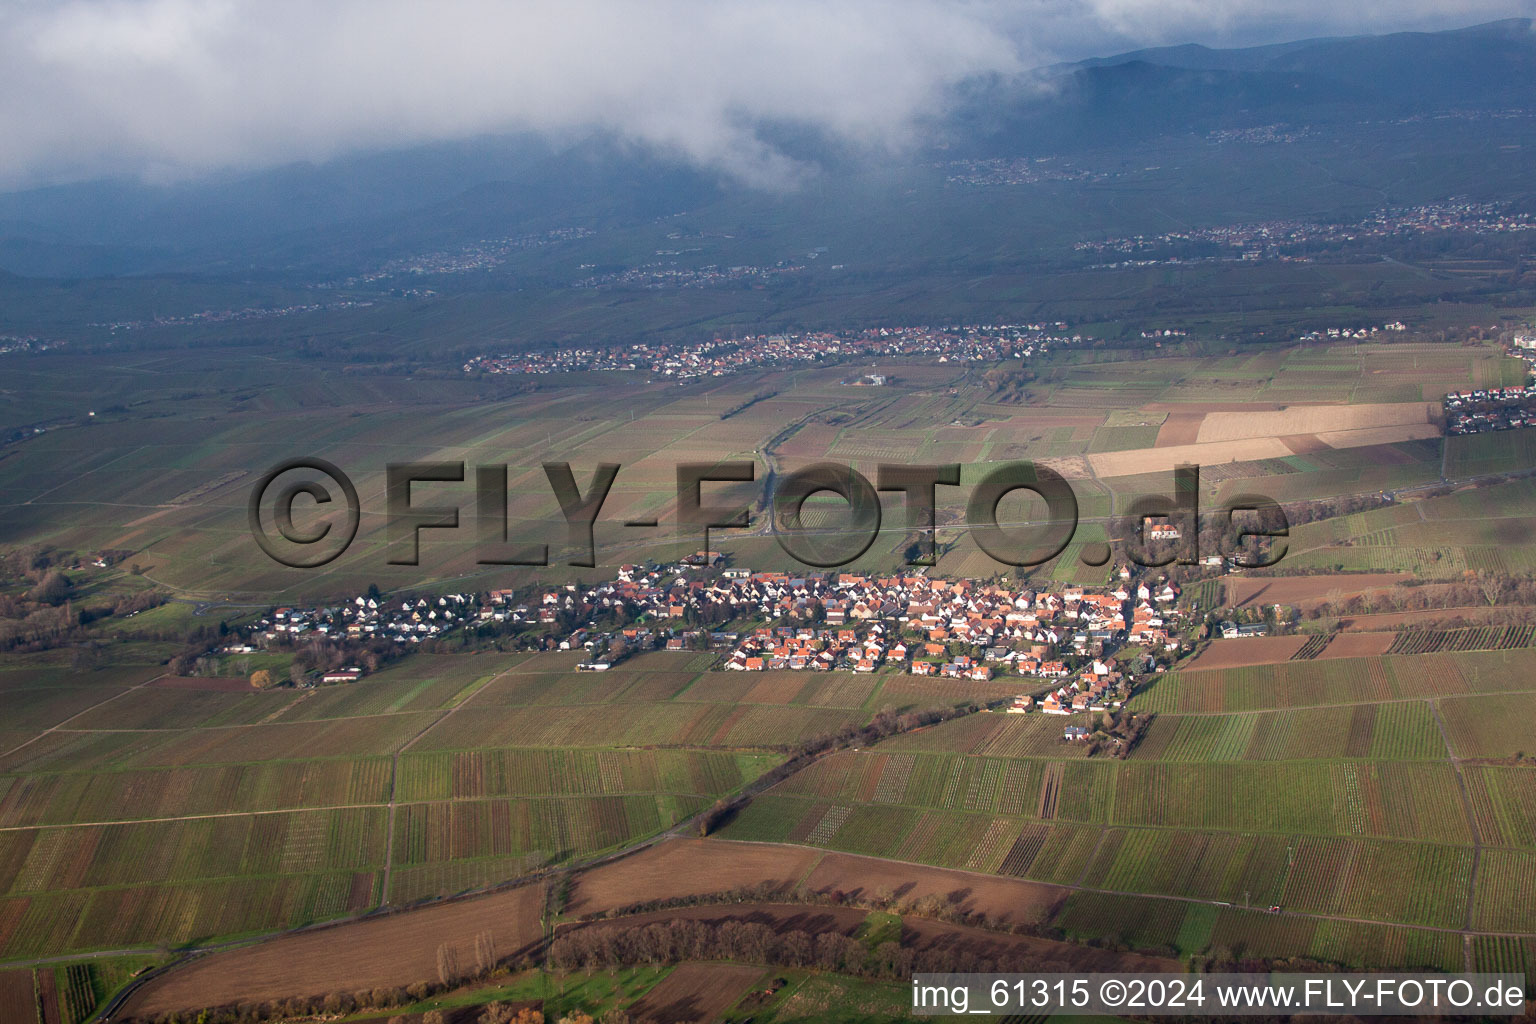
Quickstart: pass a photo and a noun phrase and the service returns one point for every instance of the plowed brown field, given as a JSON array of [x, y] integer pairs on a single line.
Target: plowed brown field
[[1300, 590], [397, 949], [688, 867], [1358, 645], [1254, 650], [1004, 899], [17, 1001], [1180, 428], [695, 992]]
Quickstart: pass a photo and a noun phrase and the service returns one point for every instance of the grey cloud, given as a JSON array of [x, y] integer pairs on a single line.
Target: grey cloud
[[168, 88], [173, 85]]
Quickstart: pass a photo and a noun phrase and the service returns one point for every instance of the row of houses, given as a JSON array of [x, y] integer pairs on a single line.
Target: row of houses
[[363, 618], [1485, 409]]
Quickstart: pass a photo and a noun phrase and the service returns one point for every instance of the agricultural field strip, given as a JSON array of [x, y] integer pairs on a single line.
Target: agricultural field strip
[[681, 698], [626, 847], [1316, 707], [202, 817], [60, 726], [305, 808], [65, 958], [1188, 899], [1128, 826], [345, 759], [1466, 802], [1093, 855]]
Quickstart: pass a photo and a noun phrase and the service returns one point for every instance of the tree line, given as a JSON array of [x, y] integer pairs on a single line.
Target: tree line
[[682, 940]]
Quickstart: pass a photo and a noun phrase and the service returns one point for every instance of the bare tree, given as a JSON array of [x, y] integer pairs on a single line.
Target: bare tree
[[447, 964], [485, 951]]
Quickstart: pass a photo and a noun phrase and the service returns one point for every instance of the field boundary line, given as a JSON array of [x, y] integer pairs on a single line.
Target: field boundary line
[[192, 817], [318, 809], [300, 699], [800, 882], [60, 725], [1092, 855], [1466, 806], [1431, 699], [1142, 826]]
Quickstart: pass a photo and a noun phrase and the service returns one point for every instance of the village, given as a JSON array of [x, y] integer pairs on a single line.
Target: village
[[233, 315], [719, 357], [1088, 646], [364, 618], [1286, 239], [16, 344], [670, 275], [1485, 409], [1017, 171], [485, 254]]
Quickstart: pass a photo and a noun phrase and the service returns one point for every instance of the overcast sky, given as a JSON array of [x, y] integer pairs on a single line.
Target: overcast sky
[[171, 88]]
